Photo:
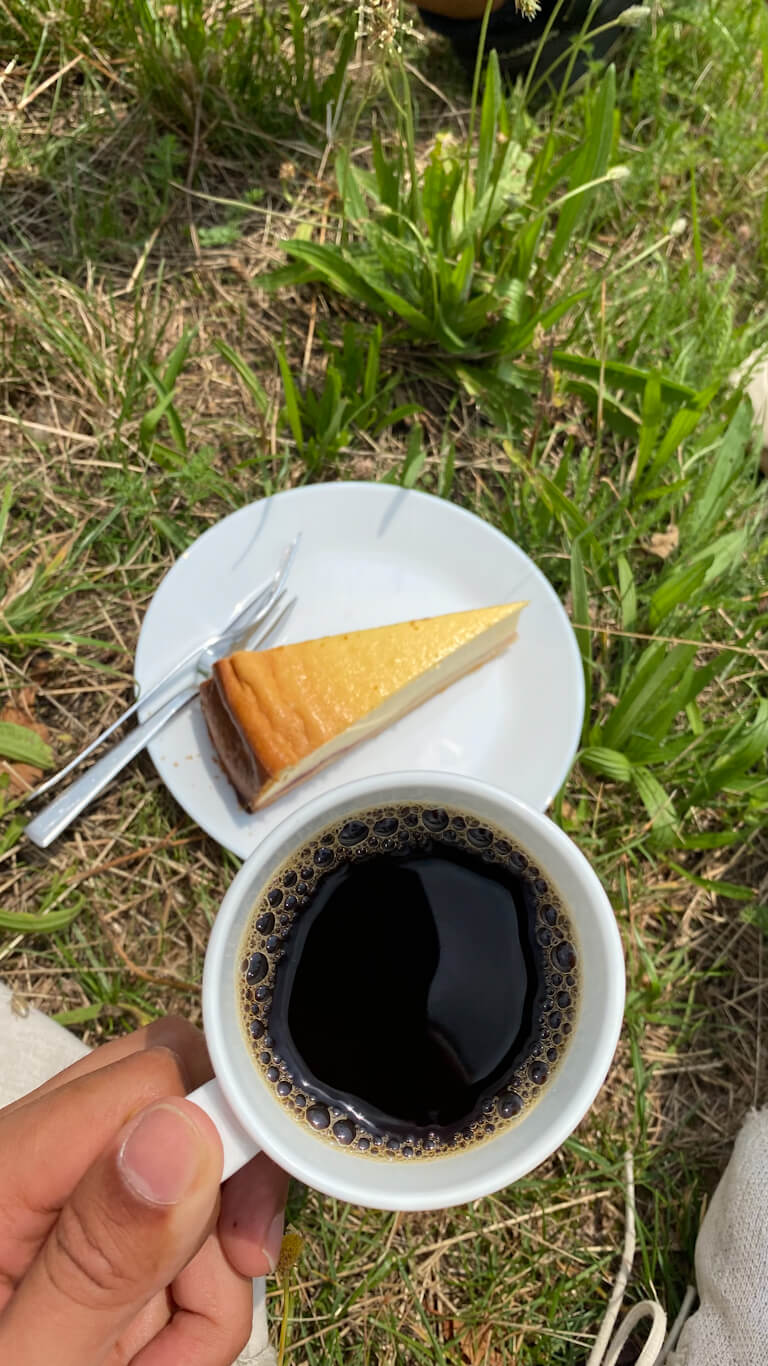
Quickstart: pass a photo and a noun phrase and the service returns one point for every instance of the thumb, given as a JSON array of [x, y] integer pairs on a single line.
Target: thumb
[[137, 1217]]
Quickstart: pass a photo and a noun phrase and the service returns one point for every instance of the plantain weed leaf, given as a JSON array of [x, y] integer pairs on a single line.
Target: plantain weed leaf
[[712, 839], [659, 670], [683, 424], [627, 593], [679, 586], [608, 763], [658, 804], [691, 683], [664, 751], [723, 554], [299, 273], [617, 417], [546, 319], [79, 1014], [350, 188], [462, 274], [170, 532], [650, 424], [589, 166], [332, 267], [388, 175], [415, 457], [396, 415], [44, 922], [709, 493], [489, 124], [620, 376], [749, 746], [441, 181], [559, 504], [23, 746]]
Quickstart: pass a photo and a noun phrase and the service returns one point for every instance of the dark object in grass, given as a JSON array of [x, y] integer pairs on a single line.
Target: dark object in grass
[[518, 40]]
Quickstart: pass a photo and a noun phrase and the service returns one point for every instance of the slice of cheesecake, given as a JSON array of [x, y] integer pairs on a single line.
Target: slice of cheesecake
[[276, 716]]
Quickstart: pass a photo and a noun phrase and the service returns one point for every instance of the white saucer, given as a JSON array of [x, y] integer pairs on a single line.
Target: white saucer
[[371, 554]]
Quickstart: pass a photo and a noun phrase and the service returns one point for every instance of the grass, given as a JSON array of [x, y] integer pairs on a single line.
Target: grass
[[243, 248]]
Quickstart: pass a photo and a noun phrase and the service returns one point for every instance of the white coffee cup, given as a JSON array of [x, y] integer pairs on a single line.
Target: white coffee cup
[[250, 1118]]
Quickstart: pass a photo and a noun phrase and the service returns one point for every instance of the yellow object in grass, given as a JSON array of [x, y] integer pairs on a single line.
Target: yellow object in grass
[[290, 1251]]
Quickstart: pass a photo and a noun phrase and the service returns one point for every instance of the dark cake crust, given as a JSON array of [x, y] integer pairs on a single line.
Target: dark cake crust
[[235, 754]]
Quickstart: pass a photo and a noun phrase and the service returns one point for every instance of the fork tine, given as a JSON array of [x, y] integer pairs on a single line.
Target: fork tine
[[269, 592], [255, 633], [251, 641]]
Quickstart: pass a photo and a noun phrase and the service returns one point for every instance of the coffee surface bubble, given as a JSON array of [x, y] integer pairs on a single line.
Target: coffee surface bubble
[[421, 990]]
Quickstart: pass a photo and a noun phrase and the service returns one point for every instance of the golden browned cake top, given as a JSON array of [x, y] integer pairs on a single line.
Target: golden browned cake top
[[290, 700]]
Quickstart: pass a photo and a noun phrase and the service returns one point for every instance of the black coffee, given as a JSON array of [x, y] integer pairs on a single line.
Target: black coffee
[[409, 982]]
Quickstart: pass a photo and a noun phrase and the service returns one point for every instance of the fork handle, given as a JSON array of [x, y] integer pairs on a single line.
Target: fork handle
[[54, 818]]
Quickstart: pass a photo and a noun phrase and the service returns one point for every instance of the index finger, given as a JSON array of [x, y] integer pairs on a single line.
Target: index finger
[[172, 1032]]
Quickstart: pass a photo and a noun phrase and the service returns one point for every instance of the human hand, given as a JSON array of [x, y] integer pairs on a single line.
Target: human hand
[[117, 1245]]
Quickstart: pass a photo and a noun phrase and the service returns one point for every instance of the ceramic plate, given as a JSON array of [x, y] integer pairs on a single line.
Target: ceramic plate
[[369, 555]]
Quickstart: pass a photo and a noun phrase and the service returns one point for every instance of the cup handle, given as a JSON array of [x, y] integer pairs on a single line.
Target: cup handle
[[238, 1145]]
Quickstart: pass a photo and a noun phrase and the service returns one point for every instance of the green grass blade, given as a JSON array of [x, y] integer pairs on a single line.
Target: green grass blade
[[292, 405], [416, 455], [559, 504], [735, 891], [5, 507], [372, 365], [79, 1015], [250, 380], [178, 358], [591, 164], [580, 598], [151, 421]]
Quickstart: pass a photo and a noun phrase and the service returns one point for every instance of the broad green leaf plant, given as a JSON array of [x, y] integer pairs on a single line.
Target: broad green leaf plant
[[465, 258]]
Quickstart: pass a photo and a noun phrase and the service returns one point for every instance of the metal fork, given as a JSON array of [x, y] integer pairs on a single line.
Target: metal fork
[[249, 612], [54, 819]]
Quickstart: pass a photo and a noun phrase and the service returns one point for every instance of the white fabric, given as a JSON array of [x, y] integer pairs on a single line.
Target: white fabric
[[731, 1326], [755, 370], [34, 1048]]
